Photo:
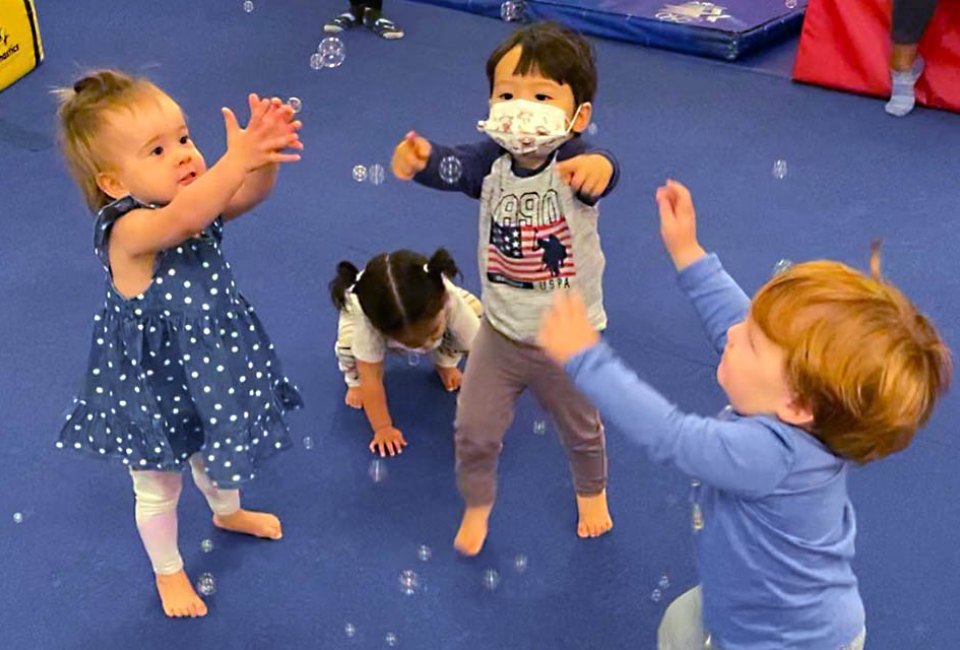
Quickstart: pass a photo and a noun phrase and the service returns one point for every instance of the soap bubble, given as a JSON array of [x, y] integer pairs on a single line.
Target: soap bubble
[[664, 582], [391, 639], [206, 585], [592, 128], [424, 553], [350, 630], [697, 518], [791, 4], [539, 427], [520, 563], [18, 517], [332, 52], [656, 595], [409, 582], [376, 174], [511, 11], [413, 360], [206, 545], [450, 170], [781, 266], [248, 6], [359, 173], [491, 579], [377, 471], [295, 104], [316, 61], [780, 169], [307, 443]]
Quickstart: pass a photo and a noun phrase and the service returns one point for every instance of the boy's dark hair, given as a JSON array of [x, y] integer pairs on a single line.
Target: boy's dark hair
[[397, 289], [556, 52]]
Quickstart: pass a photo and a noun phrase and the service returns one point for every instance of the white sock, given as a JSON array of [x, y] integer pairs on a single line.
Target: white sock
[[902, 97]]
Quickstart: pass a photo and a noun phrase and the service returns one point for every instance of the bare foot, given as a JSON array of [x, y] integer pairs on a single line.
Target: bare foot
[[451, 377], [473, 530], [353, 398], [178, 597], [258, 524], [594, 515]]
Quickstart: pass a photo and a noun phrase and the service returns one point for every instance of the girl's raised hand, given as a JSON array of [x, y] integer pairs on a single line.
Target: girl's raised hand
[[265, 137]]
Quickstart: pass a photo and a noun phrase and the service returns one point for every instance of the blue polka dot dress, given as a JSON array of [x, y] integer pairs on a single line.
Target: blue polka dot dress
[[184, 367]]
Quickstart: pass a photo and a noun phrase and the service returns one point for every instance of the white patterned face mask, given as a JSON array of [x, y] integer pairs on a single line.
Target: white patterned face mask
[[525, 128]]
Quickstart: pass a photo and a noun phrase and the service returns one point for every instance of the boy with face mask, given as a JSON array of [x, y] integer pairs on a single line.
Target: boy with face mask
[[538, 185]]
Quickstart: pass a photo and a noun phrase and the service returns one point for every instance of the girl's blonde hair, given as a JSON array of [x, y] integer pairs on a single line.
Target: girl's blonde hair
[[81, 119], [859, 354]]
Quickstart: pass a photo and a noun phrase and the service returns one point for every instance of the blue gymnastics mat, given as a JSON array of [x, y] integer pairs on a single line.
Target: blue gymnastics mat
[[721, 31]]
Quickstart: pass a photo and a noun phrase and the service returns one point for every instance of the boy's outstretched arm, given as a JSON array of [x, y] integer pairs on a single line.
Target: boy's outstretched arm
[[453, 169], [592, 173], [748, 456]]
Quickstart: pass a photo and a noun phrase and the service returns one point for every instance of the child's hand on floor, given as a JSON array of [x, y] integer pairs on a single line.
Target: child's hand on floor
[[388, 440], [451, 377], [587, 174], [565, 330], [410, 156], [678, 224]]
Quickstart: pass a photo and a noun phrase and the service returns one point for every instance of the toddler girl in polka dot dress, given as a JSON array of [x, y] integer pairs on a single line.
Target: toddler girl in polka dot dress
[[181, 371]]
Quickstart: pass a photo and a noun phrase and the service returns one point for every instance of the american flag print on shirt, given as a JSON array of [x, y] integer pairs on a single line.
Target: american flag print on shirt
[[522, 254]]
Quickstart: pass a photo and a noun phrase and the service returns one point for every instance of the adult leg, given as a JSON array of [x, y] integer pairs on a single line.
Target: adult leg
[[909, 22]]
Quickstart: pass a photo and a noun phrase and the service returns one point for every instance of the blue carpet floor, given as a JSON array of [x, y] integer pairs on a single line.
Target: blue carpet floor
[[75, 575]]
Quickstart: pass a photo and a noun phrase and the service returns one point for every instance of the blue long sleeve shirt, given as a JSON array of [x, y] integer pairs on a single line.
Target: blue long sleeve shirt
[[777, 540]]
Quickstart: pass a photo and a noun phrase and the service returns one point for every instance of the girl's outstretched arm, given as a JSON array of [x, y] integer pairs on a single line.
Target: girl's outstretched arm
[[259, 183]]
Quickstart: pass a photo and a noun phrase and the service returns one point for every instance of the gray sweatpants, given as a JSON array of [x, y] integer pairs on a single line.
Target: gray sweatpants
[[910, 20], [498, 371], [682, 626]]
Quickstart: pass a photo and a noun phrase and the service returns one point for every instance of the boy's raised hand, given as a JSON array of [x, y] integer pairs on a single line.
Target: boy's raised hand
[[264, 138], [565, 330], [588, 174], [678, 224], [410, 156]]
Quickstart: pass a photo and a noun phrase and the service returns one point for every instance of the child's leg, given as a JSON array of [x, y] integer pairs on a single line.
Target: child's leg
[[346, 361], [582, 435], [682, 625], [157, 494], [494, 379], [225, 505]]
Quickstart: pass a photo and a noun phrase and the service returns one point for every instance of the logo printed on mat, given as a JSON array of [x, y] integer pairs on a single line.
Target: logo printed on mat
[[693, 12]]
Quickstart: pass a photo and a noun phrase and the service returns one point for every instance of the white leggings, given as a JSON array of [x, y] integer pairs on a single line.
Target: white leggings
[[157, 495]]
